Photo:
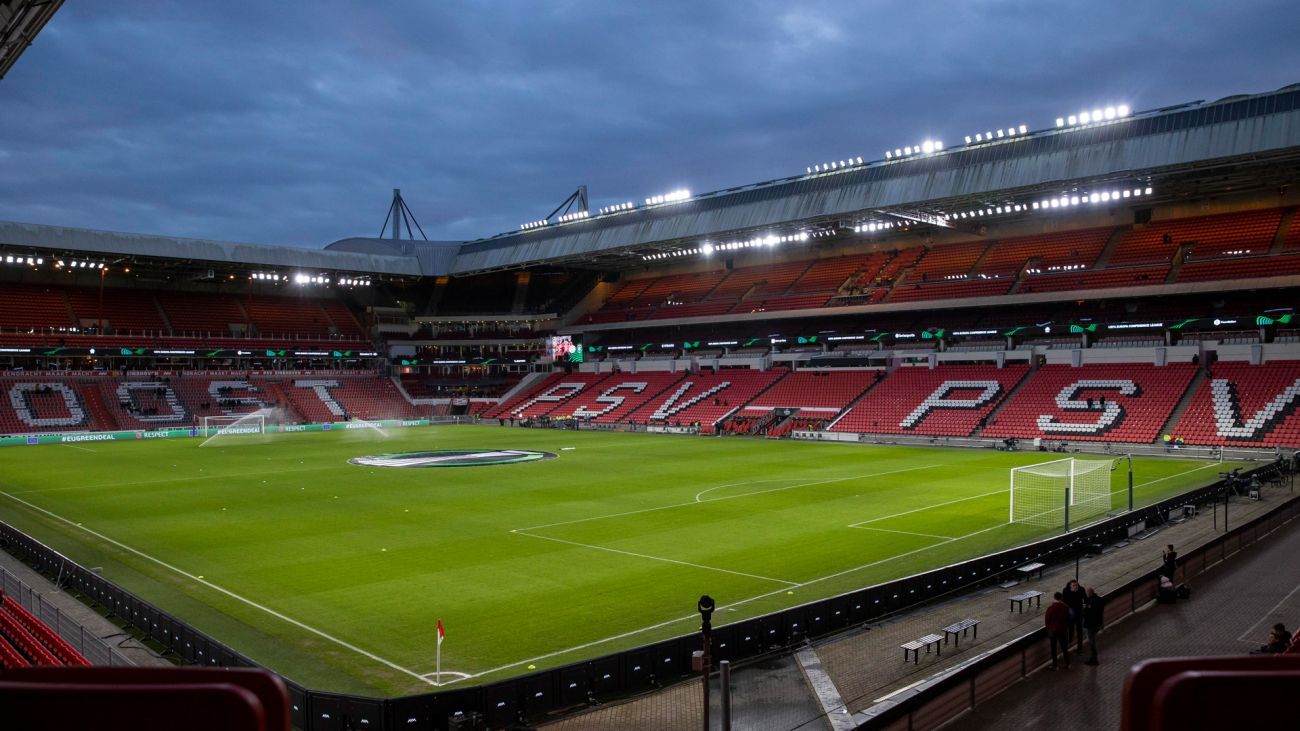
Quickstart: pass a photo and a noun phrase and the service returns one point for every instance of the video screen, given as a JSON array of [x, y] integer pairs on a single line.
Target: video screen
[[566, 349]]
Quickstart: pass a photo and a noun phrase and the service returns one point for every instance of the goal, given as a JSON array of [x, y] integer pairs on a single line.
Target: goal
[[1060, 493], [230, 425]]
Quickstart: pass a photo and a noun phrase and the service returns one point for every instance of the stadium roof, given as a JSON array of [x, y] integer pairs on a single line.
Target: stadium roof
[[1238, 143], [61, 239], [20, 21], [1197, 138]]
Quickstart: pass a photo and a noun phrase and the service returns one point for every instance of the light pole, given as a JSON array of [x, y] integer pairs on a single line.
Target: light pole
[[705, 606]]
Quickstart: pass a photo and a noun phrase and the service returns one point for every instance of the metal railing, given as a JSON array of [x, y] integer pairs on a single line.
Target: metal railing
[[90, 645]]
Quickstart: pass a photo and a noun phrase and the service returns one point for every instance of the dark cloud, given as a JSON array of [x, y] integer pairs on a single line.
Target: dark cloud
[[291, 122]]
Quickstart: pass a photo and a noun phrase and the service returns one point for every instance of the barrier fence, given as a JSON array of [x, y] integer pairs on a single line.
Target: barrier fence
[[539, 695]]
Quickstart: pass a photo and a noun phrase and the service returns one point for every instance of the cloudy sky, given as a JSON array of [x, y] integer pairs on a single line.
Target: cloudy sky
[[290, 122]]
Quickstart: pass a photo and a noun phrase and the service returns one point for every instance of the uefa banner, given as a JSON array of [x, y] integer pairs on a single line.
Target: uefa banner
[[115, 436]]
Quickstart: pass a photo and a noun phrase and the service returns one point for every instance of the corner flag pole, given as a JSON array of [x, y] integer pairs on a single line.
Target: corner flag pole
[[441, 635]]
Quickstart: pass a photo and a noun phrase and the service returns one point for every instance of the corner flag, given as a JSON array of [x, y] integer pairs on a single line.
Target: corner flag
[[441, 635]]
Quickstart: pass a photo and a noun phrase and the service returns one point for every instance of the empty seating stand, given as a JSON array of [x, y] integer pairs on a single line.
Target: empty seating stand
[[1245, 405], [705, 398], [613, 399], [826, 392], [943, 401], [43, 633], [1139, 398]]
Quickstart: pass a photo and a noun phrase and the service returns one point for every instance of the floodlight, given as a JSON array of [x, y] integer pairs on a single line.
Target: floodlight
[[927, 147], [968, 139], [1084, 118], [859, 161], [1024, 129], [898, 152], [979, 137], [40, 261], [1122, 110], [1110, 112], [1060, 122], [1096, 115], [1146, 192], [707, 248], [1074, 119], [1074, 200], [1000, 134]]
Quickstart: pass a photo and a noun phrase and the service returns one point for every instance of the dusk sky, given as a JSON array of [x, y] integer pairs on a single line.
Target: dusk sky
[[290, 123]]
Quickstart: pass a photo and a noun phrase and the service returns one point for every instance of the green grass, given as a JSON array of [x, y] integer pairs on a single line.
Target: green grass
[[637, 526]]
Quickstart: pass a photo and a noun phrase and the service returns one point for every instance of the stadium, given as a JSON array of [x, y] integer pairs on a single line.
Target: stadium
[[497, 483]]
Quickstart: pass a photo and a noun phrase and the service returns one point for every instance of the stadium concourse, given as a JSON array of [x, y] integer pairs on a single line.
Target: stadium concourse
[[1123, 285]]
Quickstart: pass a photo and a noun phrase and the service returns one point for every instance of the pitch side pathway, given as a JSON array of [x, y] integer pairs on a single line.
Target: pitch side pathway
[[865, 664]]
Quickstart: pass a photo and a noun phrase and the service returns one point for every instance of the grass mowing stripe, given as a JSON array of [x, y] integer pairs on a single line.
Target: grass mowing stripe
[[227, 592], [697, 500], [654, 558]]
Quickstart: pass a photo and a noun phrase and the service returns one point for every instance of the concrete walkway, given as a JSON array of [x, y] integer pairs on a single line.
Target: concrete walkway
[[1232, 607]]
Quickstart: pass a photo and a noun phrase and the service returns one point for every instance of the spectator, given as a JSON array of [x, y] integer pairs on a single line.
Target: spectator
[[1073, 595], [1170, 559], [1057, 621], [1278, 639], [1094, 614]]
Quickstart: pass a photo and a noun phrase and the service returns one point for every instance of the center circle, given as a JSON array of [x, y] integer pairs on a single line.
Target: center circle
[[452, 458]]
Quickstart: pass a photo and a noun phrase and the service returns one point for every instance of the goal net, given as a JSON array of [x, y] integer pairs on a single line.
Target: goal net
[[223, 426], [1060, 493]]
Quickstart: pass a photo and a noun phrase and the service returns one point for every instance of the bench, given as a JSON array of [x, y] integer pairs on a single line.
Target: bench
[[958, 629], [935, 641], [1018, 601], [1030, 568]]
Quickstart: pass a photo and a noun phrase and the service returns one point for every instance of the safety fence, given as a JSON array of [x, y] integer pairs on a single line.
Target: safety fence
[[542, 694], [86, 642]]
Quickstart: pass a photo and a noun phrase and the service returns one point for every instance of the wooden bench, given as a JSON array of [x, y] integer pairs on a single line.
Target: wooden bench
[[1030, 568], [935, 641], [1018, 601], [958, 629]]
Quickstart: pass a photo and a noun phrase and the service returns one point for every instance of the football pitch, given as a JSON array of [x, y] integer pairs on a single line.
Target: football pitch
[[335, 573]]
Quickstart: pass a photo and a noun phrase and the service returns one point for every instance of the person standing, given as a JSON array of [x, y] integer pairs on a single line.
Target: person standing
[[1073, 595], [1057, 621], [1094, 614], [1170, 561]]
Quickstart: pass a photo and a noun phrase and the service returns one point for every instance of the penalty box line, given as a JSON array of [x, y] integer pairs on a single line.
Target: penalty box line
[[741, 602], [528, 531], [227, 592]]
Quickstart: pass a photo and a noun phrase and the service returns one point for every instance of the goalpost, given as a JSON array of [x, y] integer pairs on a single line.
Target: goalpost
[[239, 424], [1060, 493]]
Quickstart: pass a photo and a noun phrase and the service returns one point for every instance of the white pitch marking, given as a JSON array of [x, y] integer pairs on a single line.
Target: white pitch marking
[[521, 532], [84, 449], [1265, 615], [802, 484], [666, 623], [927, 507], [904, 532], [227, 592], [733, 605]]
